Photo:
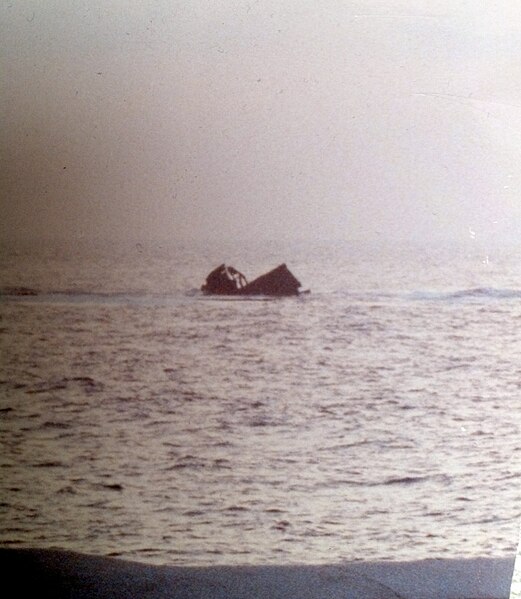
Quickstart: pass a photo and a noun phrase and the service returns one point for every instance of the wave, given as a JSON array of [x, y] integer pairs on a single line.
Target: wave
[[27, 294], [473, 293], [405, 480], [30, 294], [470, 294], [82, 296], [19, 291]]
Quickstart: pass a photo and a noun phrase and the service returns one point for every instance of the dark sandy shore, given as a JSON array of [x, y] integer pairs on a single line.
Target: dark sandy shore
[[60, 574]]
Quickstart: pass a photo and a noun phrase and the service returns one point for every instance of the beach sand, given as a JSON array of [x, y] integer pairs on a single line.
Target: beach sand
[[61, 574]]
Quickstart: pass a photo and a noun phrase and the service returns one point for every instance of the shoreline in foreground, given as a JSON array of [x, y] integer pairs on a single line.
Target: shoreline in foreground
[[74, 575]]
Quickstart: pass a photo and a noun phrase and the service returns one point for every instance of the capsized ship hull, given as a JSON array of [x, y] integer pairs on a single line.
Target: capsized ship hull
[[226, 280]]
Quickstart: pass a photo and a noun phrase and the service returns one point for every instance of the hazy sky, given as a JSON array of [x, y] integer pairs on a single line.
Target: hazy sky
[[169, 118]]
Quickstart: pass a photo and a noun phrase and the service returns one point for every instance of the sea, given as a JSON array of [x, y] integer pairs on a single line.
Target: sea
[[376, 418]]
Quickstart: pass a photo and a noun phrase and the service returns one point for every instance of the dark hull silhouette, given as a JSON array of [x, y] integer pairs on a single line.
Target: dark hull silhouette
[[226, 280]]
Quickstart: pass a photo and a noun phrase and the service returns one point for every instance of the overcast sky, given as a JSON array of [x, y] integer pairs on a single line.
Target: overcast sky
[[303, 118]]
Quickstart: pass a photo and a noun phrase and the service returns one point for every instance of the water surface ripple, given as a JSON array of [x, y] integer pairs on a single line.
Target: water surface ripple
[[364, 421]]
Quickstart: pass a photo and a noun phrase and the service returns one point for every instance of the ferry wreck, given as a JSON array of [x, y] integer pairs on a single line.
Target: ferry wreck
[[227, 280]]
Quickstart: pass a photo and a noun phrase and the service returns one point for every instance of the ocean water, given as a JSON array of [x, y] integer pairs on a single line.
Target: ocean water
[[377, 417]]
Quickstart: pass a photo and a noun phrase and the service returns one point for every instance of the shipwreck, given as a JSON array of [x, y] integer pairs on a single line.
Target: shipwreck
[[227, 280]]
